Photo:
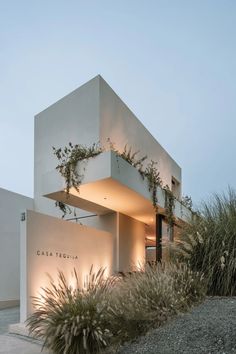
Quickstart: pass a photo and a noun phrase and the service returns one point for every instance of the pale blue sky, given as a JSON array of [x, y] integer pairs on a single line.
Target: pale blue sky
[[172, 62]]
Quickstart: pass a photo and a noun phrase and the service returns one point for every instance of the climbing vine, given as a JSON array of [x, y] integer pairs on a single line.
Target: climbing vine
[[169, 206], [150, 171], [65, 209], [154, 181], [68, 159]]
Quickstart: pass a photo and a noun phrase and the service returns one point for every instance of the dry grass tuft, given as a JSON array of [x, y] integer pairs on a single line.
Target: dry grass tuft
[[109, 312], [208, 244]]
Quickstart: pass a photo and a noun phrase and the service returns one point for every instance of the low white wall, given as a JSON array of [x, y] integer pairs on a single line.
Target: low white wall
[[49, 244], [11, 206]]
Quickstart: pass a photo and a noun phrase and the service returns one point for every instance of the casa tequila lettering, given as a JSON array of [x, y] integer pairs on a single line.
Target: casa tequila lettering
[[56, 254]]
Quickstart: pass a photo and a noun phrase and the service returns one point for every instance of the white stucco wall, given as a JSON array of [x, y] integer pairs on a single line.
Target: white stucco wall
[[128, 237], [131, 243], [121, 126], [109, 223], [11, 206], [74, 118], [42, 233]]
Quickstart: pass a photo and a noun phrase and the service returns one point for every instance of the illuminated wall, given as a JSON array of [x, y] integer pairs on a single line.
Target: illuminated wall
[[128, 239], [49, 244], [131, 241]]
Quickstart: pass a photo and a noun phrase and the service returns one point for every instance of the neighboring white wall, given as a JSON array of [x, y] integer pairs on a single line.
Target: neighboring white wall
[[11, 206], [131, 243], [42, 233], [120, 125], [74, 118]]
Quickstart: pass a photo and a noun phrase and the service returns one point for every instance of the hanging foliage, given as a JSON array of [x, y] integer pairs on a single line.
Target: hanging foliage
[[65, 209], [71, 155], [169, 206], [68, 159], [187, 201]]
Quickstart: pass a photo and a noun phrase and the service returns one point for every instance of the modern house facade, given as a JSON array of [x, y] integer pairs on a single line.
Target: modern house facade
[[116, 226]]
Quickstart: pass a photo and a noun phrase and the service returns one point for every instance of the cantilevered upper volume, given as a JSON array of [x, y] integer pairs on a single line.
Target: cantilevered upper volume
[[94, 113], [111, 184]]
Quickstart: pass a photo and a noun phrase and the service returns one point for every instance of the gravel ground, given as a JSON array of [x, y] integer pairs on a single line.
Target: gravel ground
[[209, 328]]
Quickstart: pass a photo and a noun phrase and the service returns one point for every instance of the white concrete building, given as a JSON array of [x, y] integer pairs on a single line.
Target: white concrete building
[[121, 229]]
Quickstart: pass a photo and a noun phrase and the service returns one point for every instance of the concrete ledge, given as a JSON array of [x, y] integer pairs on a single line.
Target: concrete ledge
[[19, 329], [9, 304]]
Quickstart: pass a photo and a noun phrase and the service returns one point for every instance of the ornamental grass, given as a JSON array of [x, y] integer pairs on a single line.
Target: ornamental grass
[[73, 320], [111, 311], [208, 244], [154, 294]]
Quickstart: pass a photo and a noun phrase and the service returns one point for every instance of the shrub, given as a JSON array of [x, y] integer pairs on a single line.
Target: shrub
[[151, 296], [208, 244], [73, 320], [109, 312]]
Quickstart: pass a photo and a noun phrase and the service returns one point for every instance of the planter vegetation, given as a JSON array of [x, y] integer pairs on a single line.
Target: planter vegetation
[[70, 156]]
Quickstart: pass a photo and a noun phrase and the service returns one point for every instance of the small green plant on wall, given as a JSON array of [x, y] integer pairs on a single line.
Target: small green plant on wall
[[187, 202], [65, 209], [68, 159], [150, 172], [169, 206]]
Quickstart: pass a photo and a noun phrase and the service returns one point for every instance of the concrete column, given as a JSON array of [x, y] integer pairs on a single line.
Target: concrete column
[[159, 219]]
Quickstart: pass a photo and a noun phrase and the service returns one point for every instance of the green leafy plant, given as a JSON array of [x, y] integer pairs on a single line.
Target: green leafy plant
[[128, 155], [208, 243], [65, 209], [154, 181], [150, 172], [131, 157], [68, 159], [169, 206], [187, 202]]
